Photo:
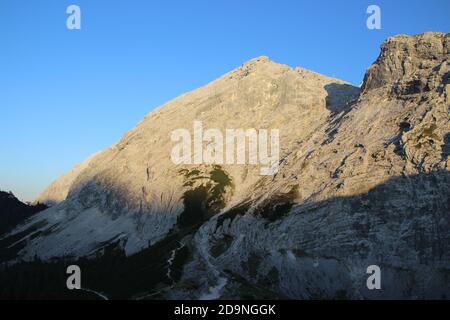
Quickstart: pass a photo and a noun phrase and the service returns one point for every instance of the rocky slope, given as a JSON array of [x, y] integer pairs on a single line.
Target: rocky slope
[[363, 179]]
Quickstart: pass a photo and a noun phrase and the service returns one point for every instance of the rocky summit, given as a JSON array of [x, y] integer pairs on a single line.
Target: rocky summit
[[363, 179]]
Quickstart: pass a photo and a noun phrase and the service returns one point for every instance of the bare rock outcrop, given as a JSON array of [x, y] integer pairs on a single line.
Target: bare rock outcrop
[[411, 65]]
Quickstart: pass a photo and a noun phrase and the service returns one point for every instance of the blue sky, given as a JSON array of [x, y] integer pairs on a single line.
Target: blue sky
[[65, 94]]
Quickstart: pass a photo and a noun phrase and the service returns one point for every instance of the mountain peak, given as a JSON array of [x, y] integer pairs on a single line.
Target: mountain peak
[[260, 59], [260, 64], [410, 64]]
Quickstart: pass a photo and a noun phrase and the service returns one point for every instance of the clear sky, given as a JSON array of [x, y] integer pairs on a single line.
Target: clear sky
[[65, 94]]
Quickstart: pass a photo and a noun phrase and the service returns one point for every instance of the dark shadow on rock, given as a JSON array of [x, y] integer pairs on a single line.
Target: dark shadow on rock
[[14, 212], [421, 201], [340, 96], [339, 101], [401, 225], [446, 147]]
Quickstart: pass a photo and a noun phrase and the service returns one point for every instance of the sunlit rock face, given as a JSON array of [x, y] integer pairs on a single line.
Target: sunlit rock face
[[363, 180]]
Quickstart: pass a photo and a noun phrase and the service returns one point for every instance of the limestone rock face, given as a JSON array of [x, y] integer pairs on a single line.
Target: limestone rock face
[[363, 180], [409, 65]]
